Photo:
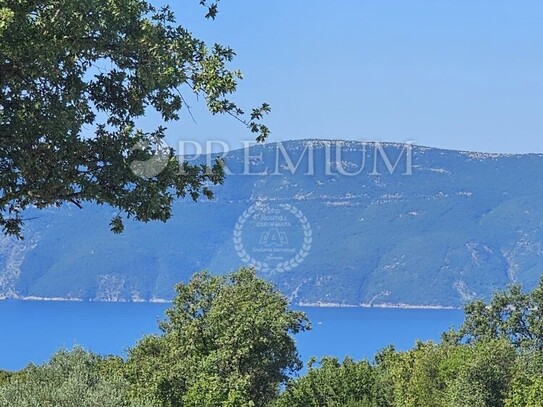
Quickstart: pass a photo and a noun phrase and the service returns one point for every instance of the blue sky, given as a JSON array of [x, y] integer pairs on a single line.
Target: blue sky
[[458, 74]]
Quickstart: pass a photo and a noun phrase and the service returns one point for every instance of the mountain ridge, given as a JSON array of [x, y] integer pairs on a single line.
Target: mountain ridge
[[460, 226]]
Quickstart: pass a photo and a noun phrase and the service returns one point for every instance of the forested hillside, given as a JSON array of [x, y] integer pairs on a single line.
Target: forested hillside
[[440, 230]]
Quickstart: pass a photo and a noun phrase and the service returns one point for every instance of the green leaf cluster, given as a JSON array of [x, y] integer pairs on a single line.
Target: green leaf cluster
[[70, 379], [76, 77], [227, 341], [512, 315], [332, 384]]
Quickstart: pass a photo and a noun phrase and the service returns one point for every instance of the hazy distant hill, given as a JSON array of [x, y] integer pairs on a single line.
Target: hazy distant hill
[[460, 225]]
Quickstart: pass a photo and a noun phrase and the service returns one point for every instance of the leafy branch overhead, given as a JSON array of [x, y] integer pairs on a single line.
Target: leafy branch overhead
[[75, 77]]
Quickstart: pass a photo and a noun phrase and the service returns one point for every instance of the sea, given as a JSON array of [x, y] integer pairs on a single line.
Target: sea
[[31, 331]]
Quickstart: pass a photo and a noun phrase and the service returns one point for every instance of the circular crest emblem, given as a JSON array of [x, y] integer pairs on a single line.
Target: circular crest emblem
[[273, 238]]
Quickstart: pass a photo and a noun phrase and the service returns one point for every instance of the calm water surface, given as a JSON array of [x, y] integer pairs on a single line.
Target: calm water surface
[[30, 331]]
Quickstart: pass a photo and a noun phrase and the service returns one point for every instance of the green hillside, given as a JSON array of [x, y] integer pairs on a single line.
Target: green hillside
[[460, 226]]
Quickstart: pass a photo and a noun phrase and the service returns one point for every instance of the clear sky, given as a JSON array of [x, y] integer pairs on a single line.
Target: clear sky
[[457, 74]]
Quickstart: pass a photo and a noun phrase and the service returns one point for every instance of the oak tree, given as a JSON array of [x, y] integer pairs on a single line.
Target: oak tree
[[76, 77]]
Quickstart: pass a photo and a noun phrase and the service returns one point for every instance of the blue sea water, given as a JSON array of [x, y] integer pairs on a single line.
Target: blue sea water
[[31, 331]]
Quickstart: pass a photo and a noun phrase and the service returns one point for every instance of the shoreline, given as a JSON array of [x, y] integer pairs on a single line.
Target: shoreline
[[299, 304], [378, 305], [62, 299]]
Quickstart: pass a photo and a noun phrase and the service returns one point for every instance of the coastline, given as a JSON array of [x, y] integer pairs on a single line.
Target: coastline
[[75, 299], [301, 304], [378, 305]]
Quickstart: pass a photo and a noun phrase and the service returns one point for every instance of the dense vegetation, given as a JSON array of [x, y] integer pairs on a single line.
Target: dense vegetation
[[228, 341]]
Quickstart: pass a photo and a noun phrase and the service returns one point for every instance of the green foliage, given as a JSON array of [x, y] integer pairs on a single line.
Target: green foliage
[[5, 377], [332, 384], [446, 375], [484, 377], [227, 341], [75, 78], [511, 315], [526, 389], [495, 359], [69, 379], [412, 378]]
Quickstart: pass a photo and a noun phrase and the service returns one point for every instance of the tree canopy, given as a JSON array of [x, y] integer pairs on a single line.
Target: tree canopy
[[227, 342], [69, 379], [512, 314], [75, 78]]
